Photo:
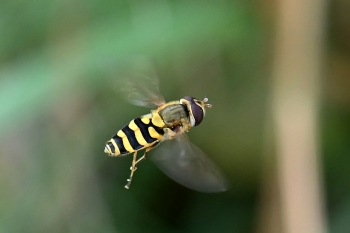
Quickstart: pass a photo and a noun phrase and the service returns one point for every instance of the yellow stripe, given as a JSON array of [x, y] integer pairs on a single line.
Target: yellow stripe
[[126, 142], [108, 150], [117, 152], [133, 126], [154, 133], [145, 120], [139, 137], [157, 120]]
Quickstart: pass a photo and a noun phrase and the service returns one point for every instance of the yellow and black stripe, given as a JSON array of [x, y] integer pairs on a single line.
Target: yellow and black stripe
[[139, 134]]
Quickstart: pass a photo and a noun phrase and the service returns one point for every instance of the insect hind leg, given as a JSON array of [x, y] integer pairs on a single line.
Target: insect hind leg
[[133, 169], [135, 162]]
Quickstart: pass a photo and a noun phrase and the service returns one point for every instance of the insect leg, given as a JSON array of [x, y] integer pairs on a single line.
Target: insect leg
[[135, 162], [147, 150], [133, 169]]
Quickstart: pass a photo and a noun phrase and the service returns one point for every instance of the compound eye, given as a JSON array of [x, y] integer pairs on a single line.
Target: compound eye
[[196, 109], [188, 98], [197, 112]]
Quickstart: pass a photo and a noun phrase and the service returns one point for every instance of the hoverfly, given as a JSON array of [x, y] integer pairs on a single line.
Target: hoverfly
[[177, 157]]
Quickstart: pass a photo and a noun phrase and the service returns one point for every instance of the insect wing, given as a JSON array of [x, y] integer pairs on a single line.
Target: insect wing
[[188, 165], [139, 84]]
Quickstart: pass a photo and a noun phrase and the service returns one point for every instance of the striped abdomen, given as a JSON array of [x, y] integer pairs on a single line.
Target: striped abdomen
[[140, 133]]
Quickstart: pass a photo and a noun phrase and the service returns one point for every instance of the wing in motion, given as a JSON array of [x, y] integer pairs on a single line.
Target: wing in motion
[[188, 165], [139, 84]]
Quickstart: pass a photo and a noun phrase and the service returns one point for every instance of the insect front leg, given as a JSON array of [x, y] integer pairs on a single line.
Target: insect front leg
[[169, 134]]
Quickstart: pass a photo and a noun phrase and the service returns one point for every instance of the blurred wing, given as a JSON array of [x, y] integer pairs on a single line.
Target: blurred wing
[[139, 84], [188, 165]]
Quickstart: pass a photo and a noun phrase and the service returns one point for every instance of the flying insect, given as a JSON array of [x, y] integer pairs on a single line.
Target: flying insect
[[167, 125]]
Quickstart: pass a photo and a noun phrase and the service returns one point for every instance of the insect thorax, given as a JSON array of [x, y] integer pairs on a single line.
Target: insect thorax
[[174, 115]]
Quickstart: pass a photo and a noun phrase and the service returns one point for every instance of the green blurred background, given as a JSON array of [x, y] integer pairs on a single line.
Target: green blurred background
[[59, 61]]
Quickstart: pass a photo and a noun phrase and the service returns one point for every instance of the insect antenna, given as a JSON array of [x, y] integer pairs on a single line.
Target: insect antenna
[[207, 105]]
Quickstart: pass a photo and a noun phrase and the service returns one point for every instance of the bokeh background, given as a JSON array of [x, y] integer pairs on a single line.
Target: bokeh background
[[277, 75]]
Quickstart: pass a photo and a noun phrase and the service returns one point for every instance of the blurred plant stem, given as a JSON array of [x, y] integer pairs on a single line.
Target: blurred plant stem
[[295, 101]]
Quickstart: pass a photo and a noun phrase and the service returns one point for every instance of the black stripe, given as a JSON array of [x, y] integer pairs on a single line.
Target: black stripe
[[111, 146], [157, 129], [132, 138], [144, 130], [119, 141]]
